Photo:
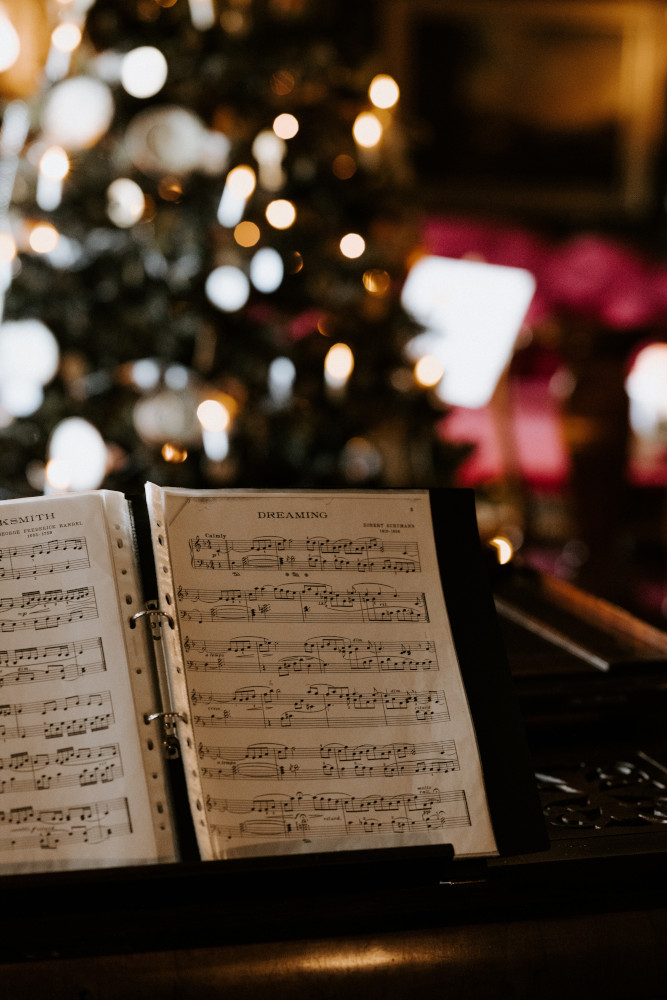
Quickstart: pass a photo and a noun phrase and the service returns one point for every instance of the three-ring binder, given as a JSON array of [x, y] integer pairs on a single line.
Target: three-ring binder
[[152, 614], [170, 742]]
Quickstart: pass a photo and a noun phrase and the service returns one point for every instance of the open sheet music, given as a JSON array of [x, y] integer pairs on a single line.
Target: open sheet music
[[312, 664], [284, 673], [80, 786]]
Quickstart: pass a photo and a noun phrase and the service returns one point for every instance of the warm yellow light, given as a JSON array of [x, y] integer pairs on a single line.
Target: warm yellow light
[[384, 91], [7, 248], [352, 245], [377, 282], [66, 37], [367, 129], [504, 549], [173, 453], [54, 163], [286, 126], [429, 370], [213, 416], [247, 234], [339, 362], [241, 181], [44, 238], [58, 474], [280, 213]]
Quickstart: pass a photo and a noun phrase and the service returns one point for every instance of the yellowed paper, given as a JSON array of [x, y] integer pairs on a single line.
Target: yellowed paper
[[312, 659], [81, 783]]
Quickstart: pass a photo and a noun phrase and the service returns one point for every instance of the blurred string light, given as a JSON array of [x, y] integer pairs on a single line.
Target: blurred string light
[[367, 129], [504, 549], [53, 169], [144, 71], [215, 419], [286, 126], [77, 112], [77, 457], [428, 370], [227, 288], [338, 366], [282, 373], [43, 238], [267, 270], [269, 151], [383, 91], [646, 387], [202, 13], [239, 185], [10, 43], [29, 357], [65, 39], [125, 202], [352, 245], [281, 213]]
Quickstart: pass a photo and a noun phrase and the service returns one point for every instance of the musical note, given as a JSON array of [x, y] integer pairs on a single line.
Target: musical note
[[11, 726], [332, 760], [21, 562], [318, 655], [320, 706], [304, 602], [323, 815], [66, 661], [358, 555], [26, 827], [69, 766], [58, 607]]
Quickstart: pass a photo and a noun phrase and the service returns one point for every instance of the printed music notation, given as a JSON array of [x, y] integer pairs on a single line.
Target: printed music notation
[[83, 766], [305, 602], [320, 706], [332, 760], [268, 552], [25, 827], [48, 609], [67, 661], [11, 726], [342, 815], [43, 558], [319, 655]]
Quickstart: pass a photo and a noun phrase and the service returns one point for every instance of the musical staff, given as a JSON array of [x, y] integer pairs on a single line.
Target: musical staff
[[19, 562], [67, 661], [50, 609], [11, 726], [269, 552], [82, 766], [319, 655], [25, 827], [332, 760], [323, 815], [305, 602], [320, 706]]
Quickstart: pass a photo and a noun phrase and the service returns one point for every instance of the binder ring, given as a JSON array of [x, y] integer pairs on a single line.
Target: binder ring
[[167, 717], [150, 613]]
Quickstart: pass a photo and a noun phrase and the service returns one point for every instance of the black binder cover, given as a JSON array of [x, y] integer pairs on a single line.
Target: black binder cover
[[509, 776]]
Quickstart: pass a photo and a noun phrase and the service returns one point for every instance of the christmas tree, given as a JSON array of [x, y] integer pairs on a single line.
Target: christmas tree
[[205, 220]]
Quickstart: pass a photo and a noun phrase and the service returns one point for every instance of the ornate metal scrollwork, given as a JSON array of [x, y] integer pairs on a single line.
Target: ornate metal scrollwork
[[621, 796]]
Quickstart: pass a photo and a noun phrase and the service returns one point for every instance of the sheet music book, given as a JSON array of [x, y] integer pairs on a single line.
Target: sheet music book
[[327, 664]]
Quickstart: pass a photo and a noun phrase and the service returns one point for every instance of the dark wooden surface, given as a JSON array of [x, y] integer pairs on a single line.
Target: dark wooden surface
[[587, 918]]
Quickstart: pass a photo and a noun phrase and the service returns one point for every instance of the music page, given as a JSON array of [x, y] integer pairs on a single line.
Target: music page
[[72, 751], [313, 666]]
